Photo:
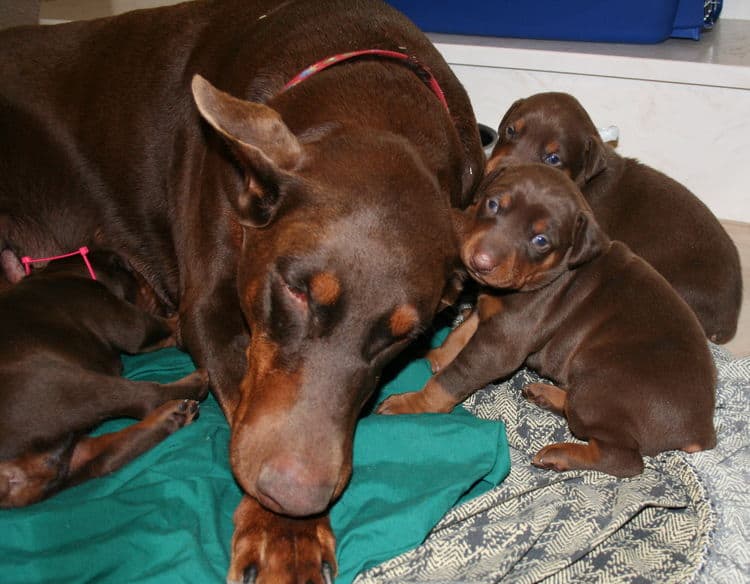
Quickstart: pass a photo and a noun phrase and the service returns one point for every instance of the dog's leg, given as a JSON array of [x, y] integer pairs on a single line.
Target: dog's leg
[[440, 357], [81, 400], [270, 548], [596, 455], [118, 397], [101, 455], [478, 364], [546, 396], [33, 477]]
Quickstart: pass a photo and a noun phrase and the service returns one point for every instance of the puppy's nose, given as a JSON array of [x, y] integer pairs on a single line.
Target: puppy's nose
[[482, 262]]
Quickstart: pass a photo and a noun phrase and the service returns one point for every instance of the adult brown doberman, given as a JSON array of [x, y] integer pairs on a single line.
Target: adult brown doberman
[[303, 235]]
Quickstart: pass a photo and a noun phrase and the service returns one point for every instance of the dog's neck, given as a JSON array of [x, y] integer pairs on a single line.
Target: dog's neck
[[419, 69]]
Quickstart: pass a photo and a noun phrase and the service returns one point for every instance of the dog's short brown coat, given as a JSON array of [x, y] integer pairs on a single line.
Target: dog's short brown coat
[[584, 311], [60, 367], [657, 217], [304, 235]]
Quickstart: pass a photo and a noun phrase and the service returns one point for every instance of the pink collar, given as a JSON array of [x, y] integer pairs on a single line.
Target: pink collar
[[26, 260], [421, 70]]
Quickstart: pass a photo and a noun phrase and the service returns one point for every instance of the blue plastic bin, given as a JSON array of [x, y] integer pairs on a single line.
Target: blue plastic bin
[[622, 21]]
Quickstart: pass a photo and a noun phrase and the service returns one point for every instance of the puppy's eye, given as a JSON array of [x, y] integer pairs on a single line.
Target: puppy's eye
[[492, 206], [510, 132], [552, 159], [541, 243]]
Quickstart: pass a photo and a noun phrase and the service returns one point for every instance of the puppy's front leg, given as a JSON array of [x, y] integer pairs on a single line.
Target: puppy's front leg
[[442, 356], [488, 356]]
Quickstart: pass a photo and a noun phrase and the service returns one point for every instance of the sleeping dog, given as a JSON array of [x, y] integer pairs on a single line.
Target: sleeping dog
[[634, 371], [658, 218], [60, 367]]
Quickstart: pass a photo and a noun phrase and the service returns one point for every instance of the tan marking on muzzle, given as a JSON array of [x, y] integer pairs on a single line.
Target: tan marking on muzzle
[[403, 320], [325, 288]]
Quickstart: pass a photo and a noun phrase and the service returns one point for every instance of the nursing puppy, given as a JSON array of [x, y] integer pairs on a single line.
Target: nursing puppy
[[60, 367], [658, 218], [634, 371]]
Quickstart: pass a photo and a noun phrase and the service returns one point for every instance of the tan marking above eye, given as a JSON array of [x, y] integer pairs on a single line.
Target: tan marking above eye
[[325, 288], [539, 226], [552, 147], [519, 124], [504, 201], [403, 320]]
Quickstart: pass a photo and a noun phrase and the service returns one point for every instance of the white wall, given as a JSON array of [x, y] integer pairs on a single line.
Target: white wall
[[696, 134], [736, 9]]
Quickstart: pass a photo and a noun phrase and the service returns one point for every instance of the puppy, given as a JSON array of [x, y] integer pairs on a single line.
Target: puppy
[[63, 333], [635, 373], [658, 218]]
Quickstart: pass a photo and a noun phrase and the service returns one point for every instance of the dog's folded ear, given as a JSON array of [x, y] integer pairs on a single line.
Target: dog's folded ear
[[262, 143], [589, 240], [594, 160]]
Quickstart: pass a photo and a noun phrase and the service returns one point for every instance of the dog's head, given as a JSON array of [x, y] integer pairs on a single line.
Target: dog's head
[[530, 225], [554, 129], [347, 248]]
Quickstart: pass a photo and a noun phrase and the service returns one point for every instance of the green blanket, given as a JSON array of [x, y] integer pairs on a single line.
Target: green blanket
[[167, 517]]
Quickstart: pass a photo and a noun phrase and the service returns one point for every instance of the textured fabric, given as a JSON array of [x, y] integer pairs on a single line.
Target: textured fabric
[[684, 519], [167, 517]]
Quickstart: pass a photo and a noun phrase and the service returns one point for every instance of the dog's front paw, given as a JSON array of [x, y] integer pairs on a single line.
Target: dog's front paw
[[273, 549], [404, 403]]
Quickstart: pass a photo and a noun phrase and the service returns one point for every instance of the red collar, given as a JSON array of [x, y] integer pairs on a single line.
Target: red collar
[[421, 70], [83, 251]]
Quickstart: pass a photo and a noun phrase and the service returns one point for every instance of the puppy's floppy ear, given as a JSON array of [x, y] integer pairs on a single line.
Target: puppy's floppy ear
[[594, 160], [501, 146], [588, 240], [509, 113], [262, 143]]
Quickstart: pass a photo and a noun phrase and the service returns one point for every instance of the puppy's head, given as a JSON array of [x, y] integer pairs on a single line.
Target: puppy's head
[[530, 225], [554, 129]]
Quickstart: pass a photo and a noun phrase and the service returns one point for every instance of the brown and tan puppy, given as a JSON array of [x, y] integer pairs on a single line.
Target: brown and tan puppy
[[657, 217], [634, 371], [63, 334]]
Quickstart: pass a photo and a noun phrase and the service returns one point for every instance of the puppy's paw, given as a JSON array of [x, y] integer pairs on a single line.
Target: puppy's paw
[[175, 414], [553, 457], [403, 403]]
